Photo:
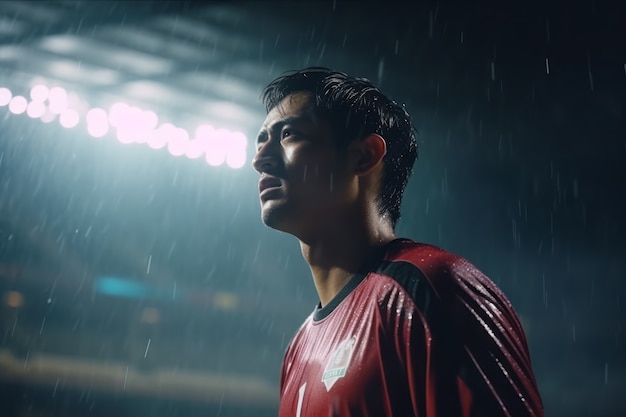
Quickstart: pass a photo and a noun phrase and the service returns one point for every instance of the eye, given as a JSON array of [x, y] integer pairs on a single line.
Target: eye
[[286, 133]]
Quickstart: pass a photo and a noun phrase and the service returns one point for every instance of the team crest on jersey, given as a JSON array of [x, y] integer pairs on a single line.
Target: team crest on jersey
[[338, 363]]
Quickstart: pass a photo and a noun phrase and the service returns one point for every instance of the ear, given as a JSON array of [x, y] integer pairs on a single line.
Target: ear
[[369, 153]]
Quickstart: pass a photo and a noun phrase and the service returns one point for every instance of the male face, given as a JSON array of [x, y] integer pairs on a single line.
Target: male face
[[305, 182]]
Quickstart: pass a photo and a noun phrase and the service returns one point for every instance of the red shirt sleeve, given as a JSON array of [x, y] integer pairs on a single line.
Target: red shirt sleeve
[[466, 353]]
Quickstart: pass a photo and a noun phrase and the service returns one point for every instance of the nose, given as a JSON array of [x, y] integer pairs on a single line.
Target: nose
[[264, 160]]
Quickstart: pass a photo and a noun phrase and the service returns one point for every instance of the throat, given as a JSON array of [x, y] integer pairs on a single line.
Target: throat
[[333, 265]]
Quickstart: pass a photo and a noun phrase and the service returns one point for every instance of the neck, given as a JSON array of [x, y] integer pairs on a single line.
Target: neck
[[335, 255]]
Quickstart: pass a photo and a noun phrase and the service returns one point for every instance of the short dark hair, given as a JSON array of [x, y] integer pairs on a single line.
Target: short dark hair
[[356, 108]]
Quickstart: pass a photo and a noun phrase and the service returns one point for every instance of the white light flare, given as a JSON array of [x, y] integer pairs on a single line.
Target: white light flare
[[159, 138], [18, 105], [236, 157], [200, 144], [130, 125], [69, 118], [177, 143], [58, 100], [97, 122], [5, 96], [217, 147], [36, 109], [39, 93]]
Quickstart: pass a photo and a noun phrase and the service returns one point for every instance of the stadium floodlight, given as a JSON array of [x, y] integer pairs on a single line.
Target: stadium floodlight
[[69, 118], [217, 147], [177, 142], [159, 138], [36, 109], [97, 122], [196, 148], [18, 105], [129, 124], [236, 159], [58, 100], [116, 113], [5, 96], [39, 93], [204, 131]]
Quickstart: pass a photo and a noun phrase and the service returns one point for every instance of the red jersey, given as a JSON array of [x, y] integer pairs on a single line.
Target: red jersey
[[421, 333]]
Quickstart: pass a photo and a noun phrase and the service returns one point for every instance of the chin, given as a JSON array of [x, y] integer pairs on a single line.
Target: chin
[[279, 217], [273, 217]]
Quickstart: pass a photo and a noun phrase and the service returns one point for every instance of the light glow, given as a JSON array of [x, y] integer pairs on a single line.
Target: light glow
[[160, 137], [36, 109], [69, 118], [97, 122], [57, 99], [129, 124], [217, 147], [5, 96], [18, 105], [47, 116], [236, 159], [39, 93], [177, 143]]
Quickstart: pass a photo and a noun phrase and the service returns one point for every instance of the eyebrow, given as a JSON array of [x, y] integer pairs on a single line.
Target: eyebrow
[[278, 125]]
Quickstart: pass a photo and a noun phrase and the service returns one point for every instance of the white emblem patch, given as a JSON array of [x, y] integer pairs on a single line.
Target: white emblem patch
[[338, 363]]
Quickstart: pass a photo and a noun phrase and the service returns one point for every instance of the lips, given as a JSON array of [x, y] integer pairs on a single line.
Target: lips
[[266, 182]]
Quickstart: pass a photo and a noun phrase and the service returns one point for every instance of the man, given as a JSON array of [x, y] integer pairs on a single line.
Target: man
[[402, 328]]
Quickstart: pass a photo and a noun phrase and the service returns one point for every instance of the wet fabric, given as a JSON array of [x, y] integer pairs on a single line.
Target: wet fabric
[[420, 332]]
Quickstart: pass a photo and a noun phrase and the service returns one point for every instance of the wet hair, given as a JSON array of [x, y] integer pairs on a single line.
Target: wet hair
[[356, 108]]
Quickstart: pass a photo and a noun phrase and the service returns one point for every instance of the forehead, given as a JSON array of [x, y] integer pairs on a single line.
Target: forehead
[[297, 105]]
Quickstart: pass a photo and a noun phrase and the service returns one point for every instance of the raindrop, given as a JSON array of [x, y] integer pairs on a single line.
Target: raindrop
[[54, 391], [43, 322], [145, 354], [547, 67], [149, 263], [125, 377], [171, 251], [256, 253]]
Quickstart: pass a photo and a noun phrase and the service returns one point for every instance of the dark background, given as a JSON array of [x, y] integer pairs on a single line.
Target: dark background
[[522, 170]]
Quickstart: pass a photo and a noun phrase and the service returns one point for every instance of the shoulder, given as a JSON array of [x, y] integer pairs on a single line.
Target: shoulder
[[446, 284], [447, 274]]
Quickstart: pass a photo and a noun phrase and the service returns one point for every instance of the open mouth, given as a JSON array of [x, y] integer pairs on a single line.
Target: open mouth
[[268, 184]]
